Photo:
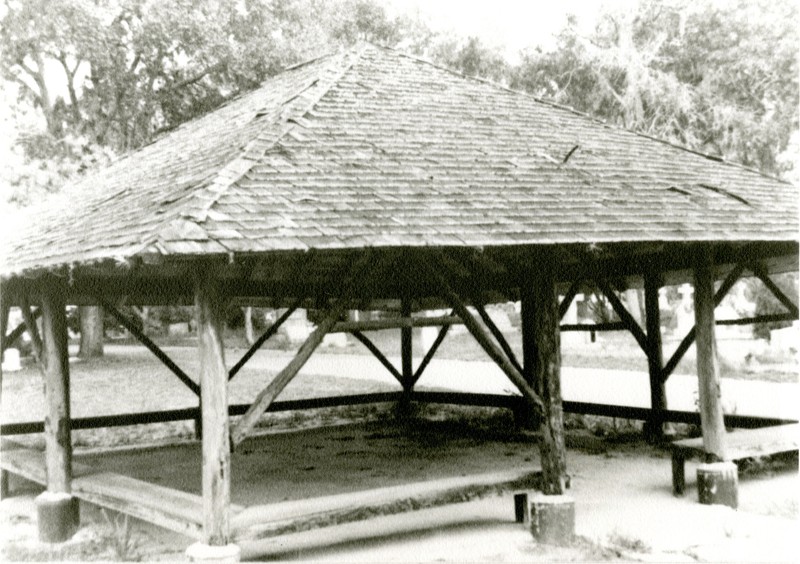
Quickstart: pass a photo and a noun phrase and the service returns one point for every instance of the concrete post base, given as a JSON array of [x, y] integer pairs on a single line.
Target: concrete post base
[[553, 519], [200, 552], [58, 516], [718, 484]]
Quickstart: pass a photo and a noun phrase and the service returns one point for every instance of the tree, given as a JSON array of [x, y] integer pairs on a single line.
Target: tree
[[720, 79]]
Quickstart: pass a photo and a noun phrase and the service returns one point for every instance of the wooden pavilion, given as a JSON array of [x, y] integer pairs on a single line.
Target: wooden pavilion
[[369, 179]]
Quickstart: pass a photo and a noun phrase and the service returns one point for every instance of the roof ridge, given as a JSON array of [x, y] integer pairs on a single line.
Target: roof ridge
[[269, 134], [581, 114]]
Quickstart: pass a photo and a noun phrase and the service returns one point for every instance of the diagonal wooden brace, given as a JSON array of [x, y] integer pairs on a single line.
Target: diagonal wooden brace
[[762, 274], [484, 340], [33, 329], [276, 386], [624, 314], [11, 338], [688, 340], [151, 346], [498, 335], [431, 351], [569, 297], [378, 354], [263, 339]]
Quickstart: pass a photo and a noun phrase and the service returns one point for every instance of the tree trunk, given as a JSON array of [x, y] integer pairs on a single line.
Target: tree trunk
[[248, 325], [91, 331]]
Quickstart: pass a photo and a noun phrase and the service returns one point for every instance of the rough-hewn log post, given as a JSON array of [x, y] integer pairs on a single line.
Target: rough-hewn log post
[[406, 356], [523, 415], [216, 471], [654, 427], [4, 310], [711, 416], [57, 510], [542, 344]]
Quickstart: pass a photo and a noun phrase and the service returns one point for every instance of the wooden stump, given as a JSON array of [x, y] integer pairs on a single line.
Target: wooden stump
[[58, 516], [718, 484], [553, 519]]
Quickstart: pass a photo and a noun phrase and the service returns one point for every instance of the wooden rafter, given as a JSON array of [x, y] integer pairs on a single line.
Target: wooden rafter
[[378, 354], [263, 339], [623, 313], [151, 346], [483, 339], [687, 341]]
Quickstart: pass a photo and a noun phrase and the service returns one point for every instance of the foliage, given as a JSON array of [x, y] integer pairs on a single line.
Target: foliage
[[718, 78]]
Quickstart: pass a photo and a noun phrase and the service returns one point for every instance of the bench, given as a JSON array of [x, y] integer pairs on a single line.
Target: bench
[[740, 444], [183, 512]]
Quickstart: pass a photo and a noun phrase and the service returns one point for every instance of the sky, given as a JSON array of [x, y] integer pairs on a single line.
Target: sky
[[509, 24]]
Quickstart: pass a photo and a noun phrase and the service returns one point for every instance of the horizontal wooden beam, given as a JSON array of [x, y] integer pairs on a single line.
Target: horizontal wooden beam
[[263, 339], [264, 521], [151, 346], [771, 318], [395, 323], [191, 413], [591, 327], [453, 398]]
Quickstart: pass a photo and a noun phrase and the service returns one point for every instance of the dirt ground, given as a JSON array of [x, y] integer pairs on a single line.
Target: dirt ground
[[624, 505]]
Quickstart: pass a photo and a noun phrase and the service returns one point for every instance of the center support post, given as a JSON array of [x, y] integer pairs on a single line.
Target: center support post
[[57, 510], [552, 514], [210, 312], [717, 479], [406, 342]]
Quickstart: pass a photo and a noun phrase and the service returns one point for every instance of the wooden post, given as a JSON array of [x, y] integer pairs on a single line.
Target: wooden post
[[210, 310], [523, 416], [711, 416], [4, 311], [542, 344], [406, 336], [654, 427], [57, 510]]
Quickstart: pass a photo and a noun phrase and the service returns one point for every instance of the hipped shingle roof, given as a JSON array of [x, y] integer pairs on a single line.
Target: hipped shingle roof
[[371, 147]]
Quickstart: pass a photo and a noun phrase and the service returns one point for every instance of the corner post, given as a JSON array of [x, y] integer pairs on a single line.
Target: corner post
[[544, 342], [654, 427], [523, 416], [209, 310], [57, 509], [4, 310], [711, 416], [406, 336]]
